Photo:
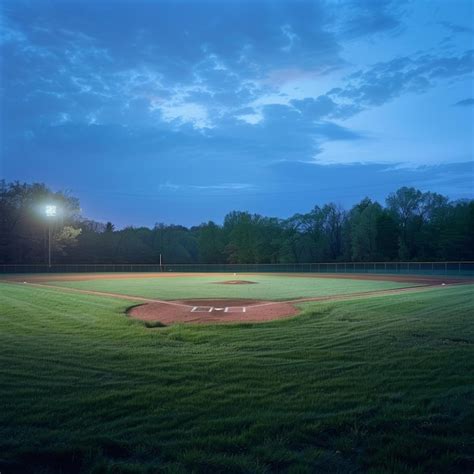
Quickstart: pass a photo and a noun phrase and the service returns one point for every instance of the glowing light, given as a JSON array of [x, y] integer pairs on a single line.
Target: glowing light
[[51, 211]]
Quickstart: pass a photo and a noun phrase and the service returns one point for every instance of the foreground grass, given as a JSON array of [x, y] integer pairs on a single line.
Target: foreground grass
[[268, 287], [377, 385]]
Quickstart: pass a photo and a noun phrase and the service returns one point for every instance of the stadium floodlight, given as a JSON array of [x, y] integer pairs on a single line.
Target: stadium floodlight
[[50, 211]]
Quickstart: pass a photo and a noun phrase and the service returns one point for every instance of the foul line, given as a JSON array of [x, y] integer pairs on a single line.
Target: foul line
[[366, 294], [98, 293]]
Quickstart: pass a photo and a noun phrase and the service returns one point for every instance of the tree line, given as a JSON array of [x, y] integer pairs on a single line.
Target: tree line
[[411, 226]]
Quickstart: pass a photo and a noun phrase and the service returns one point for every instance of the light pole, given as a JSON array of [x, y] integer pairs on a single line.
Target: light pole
[[51, 212]]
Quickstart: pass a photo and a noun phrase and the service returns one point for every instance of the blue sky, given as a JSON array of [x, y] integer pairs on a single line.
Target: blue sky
[[181, 111]]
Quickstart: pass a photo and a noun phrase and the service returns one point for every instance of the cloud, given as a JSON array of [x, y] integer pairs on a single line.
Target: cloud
[[454, 28], [465, 102], [385, 81], [187, 112], [315, 109], [359, 18], [208, 187], [324, 107], [10, 34], [141, 70], [343, 183]]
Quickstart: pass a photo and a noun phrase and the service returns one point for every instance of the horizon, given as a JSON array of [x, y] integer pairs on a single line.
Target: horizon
[[181, 112], [346, 209]]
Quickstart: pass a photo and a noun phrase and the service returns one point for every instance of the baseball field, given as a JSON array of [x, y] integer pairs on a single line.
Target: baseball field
[[131, 373]]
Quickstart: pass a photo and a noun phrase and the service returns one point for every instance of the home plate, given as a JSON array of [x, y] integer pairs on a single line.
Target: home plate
[[218, 309]]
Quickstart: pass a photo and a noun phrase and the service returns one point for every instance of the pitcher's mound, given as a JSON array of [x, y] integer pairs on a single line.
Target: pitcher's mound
[[236, 282]]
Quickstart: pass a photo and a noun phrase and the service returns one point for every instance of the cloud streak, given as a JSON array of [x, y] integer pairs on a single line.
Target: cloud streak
[[465, 102]]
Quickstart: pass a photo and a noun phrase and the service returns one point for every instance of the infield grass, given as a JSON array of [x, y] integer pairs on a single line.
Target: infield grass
[[267, 287], [379, 385]]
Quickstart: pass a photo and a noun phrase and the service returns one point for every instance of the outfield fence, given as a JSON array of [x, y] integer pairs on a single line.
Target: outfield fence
[[427, 268]]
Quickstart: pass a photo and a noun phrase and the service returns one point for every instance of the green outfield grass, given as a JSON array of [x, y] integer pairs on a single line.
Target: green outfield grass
[[268, 287], [378, 385]]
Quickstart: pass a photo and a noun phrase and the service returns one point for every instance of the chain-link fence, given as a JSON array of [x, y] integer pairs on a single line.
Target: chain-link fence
[[428, 268]]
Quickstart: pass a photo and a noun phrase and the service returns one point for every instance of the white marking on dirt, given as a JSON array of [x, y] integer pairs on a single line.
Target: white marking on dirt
[[201, 309], [235, 309]]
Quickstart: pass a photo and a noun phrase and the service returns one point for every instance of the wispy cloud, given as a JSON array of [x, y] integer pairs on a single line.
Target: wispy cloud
[[386, 81], [187, 112], [454, 28], [465, 102], [209, 187]]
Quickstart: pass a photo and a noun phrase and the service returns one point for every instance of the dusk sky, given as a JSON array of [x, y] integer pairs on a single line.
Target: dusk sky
[[181, 111]]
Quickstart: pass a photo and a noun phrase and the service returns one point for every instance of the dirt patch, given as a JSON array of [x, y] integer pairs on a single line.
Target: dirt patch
[[213, 311], [236, 282]]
